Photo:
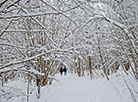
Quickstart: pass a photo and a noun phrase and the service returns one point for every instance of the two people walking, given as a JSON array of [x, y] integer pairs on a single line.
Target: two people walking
[[63, 70]]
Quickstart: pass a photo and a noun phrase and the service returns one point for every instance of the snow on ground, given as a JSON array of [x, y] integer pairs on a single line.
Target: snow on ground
[[74, 89], [71, 88]]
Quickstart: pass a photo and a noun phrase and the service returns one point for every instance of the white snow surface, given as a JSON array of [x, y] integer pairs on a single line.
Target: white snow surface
[[71, 88]]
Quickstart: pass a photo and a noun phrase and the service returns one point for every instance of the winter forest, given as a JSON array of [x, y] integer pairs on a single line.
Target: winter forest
[[96, 41]]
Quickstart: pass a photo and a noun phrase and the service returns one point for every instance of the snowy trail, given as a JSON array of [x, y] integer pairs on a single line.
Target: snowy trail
[[73, 89]]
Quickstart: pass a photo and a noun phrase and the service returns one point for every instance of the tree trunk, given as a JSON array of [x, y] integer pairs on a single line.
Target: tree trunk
[[75, 64], [79, 68], [90, 66]]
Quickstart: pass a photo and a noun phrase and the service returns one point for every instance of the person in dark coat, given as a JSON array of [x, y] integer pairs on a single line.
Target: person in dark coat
[[65, 71], [61, 70]]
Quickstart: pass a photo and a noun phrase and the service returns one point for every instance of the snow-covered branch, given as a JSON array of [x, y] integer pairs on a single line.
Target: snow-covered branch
[[12, 30], [2, 3], [124, 28], [13, 4], [36, 56], [12, 45], [59, 11], [28, 15], [21, 61]]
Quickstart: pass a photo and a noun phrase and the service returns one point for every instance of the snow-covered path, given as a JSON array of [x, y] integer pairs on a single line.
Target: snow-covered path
[[73, 89]]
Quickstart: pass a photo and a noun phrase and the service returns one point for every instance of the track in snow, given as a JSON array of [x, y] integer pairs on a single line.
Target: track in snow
[[73, 89]]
